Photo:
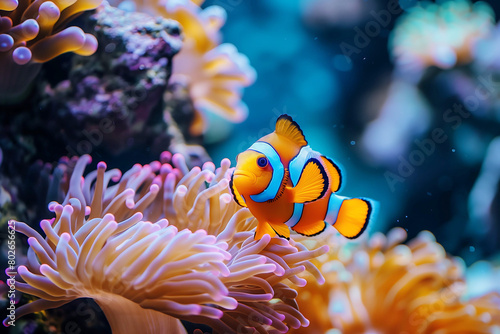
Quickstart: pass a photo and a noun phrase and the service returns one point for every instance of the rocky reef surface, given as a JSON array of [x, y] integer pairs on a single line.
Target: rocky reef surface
[[110, 104]]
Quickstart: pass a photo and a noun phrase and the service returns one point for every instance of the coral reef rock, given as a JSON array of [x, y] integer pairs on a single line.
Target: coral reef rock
[[115, 96]]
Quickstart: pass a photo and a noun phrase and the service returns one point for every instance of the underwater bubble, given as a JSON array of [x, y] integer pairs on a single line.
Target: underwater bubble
[[453, 150], [472, 249], [342, 63], [353, 142]]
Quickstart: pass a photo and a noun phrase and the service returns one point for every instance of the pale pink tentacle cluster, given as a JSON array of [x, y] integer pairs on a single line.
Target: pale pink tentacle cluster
[[113, 242]]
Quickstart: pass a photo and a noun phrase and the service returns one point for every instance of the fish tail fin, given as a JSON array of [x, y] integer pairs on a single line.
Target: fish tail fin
[[353, 217]]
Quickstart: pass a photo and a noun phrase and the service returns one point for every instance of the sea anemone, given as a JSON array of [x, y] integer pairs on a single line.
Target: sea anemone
[[441, 35], [33, 32], [214, 73], [383, 286], [160, 245]]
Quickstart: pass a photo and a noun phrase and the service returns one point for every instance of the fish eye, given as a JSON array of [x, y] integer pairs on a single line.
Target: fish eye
[[262, 162]]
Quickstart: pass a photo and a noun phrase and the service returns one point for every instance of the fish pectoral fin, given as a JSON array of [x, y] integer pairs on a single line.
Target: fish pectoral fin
[[310, 229], [334, 174], [353, 217], [281, 230], [313, 183], [262, 230], [236, 195]]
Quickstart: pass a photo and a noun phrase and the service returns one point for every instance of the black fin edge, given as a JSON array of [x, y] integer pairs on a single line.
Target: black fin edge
[[322, 170], [367, 220], [338, 171], [315, 234], [279, 235], [233, 193], [288, 117]]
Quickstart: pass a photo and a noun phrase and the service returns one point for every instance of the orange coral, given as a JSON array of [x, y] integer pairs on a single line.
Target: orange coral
[[383, 286]]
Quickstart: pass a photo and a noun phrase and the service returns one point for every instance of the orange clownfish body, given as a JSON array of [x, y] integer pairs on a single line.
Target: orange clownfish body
[[285, 184]]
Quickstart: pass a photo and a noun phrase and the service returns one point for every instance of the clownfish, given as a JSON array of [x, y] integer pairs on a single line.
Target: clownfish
[[285, 184]]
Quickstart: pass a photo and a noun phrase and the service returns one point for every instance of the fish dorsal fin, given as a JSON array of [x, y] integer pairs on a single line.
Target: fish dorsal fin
[[288, 128], [236, 195], [313, 183]]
